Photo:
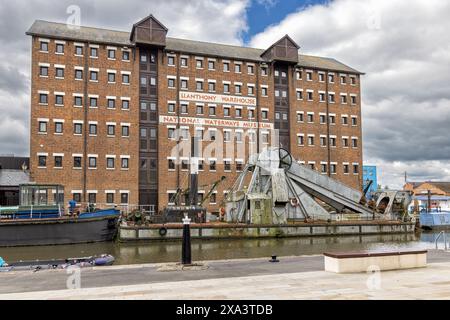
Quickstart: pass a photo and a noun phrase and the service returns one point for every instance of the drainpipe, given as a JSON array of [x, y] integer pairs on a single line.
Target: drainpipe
[[85, 120], [178, 82], [257, 109], [327, 99]]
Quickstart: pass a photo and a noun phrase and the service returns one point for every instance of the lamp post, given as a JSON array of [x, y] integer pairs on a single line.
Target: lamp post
[[186, 245]]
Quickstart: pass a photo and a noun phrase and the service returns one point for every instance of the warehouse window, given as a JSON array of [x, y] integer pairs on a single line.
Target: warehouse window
[[250, 69], [93, 102], [42, 126], [110, 163], [300, 140], [94, 52], [92, 129], [60, 48], [111, 130], [112, 77], [199, 63], [211, 65], [264, 114], [111, 54], [126, 55], [59, 100], [77, 128], [43, 98], [309, 75], [212, 165], [125, 78], [354, 121], [125, 131], [58, 161], [199, 85], [323, 167], [345, 142], [171, 83], [111, 103], [264, 91], [78, 50], [171, 164], [321, 77], [58, 127], [199, 109], [227, 165], [43, 71], [76, 197], [171, 60], [211, 86], [237, 68], [346, 169], [92, 197], [331, 78], [226, 88], [184, 84], [226, 67], [59, 73], [124, 198], [92, 162], [78, 74], [355, 168], [171, 133], [110, 198], [183, 61], [124, 163], [344, 120], [171, 107], [77, 162], [125, 104], [43, 46], [42, 161], [264, 71], [311, 140]]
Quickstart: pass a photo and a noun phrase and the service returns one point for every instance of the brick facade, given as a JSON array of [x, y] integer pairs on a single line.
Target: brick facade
[[258, 70]]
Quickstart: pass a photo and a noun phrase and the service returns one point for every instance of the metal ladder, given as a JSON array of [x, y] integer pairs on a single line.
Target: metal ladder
[[442, 233]]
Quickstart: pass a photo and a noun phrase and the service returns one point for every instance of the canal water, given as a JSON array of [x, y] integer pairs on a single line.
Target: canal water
[[152, 252]]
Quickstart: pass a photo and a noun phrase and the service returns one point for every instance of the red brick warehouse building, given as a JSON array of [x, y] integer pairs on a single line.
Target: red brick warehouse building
[[109, 107]]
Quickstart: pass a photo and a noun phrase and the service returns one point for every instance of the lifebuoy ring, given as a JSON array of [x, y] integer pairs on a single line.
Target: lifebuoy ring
[[222, 211], [413, 219], [294, 202], [162, 231]]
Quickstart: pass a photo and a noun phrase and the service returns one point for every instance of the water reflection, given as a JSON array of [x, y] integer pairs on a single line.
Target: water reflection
[[150, 252]]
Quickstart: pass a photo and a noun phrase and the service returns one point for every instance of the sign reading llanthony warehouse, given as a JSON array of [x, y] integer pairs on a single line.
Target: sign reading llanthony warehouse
[[214, 122], [217, 98]]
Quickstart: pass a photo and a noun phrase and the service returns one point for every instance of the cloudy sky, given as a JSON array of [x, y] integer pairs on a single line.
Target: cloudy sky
[[403, 46]]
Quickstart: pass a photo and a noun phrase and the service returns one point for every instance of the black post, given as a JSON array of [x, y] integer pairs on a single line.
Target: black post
[[193, 188], [186, 246]]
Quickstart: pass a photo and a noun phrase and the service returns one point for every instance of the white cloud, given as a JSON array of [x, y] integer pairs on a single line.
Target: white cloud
[[207, 20], [404, 48]]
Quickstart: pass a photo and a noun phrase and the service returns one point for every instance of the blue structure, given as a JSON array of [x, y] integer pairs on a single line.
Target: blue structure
[[370, 173]]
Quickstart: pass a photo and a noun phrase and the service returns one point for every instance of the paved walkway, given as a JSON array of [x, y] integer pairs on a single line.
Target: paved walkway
[[270, 281]]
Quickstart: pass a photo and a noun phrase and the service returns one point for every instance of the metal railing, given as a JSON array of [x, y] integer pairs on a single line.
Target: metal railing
[[442, 233]]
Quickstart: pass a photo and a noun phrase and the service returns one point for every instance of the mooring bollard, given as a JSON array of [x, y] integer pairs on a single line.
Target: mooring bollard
[[186, 246]]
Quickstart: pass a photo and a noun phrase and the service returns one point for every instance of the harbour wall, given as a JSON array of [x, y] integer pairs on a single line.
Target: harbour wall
[[162, 232]]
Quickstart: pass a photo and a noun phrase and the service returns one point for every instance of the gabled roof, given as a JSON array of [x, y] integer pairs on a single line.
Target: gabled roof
[[104, 36], [443, 185], [285, 37], [150, 17]]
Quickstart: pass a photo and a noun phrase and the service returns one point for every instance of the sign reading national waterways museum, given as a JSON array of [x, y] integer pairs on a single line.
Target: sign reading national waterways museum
[[217, 98], [214, 122]]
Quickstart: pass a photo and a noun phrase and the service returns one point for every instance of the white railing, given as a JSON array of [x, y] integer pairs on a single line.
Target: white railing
[[442, 233]]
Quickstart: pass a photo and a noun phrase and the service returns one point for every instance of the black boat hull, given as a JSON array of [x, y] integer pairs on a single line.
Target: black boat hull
[[35, 232]]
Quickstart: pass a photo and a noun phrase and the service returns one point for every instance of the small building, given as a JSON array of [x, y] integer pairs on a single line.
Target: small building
[[13, 172], [435, 192], [370, 174]]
